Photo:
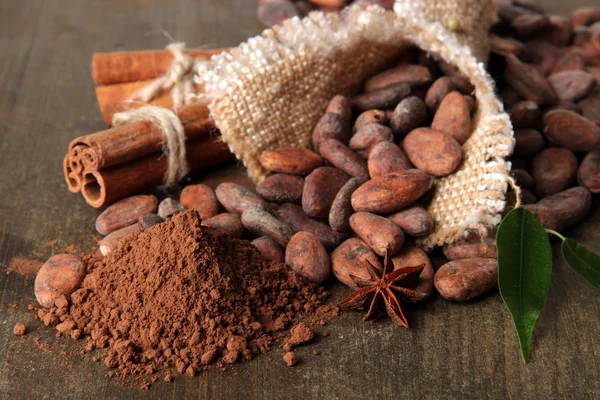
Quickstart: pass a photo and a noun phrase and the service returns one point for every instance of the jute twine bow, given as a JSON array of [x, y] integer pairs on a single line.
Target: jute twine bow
[[172, 130], [179, 79]]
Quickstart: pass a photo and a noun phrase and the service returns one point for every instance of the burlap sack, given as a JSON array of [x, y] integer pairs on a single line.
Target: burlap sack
[[270, 91]]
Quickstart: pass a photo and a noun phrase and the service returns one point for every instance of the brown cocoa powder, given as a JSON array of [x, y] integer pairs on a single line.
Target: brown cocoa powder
[[180, 296], [24, 266]]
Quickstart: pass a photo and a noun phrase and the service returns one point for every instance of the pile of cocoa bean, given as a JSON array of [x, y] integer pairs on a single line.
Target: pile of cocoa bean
[[548, 73], [274, 12]]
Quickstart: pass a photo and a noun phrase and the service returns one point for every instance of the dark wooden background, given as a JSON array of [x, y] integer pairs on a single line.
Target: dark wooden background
[[47, 98]]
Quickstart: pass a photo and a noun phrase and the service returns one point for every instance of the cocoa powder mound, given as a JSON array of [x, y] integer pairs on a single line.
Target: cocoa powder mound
[[181, 296]]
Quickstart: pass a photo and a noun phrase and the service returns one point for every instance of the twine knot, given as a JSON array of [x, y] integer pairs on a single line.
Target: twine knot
[[179, 78], [172, 131]]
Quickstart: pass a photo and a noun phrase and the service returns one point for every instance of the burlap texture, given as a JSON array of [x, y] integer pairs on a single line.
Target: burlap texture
[[270, 91]]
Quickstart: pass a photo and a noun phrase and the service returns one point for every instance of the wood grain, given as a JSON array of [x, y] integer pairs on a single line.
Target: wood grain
[[466, 351]]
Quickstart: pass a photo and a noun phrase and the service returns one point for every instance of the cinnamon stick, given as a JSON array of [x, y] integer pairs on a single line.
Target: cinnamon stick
[[114, 98], [133, 66], [73, 179], [105, 186], [138, 139]]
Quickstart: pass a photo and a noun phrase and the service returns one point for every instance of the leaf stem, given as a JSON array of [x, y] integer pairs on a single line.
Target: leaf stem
[[550, 231]]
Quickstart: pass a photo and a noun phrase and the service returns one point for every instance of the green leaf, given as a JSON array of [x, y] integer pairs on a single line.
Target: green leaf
[[583, 261], [524, 270]]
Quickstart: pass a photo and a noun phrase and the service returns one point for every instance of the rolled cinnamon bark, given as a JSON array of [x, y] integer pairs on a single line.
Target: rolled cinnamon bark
[[114, 98], [132, 66], [137, 139], [73, 180], [107, 185]]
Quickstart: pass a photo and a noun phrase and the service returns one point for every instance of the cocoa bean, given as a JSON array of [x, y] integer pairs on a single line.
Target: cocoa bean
[[345, 159], [588, 174], [459, 80], [148, 220], [392, 192], [453, 117], [433, 151], [320, 189], [341, 208], [590, 109], [553, 170], [412, 256], [546, 217], [462, 250], [340, 105], [168, 207], [566, 105], [438, 90], [588, 40], [569, 206], [262, 223], [274, 12], [509, 97], [529, 82], [508, 11], [505, 46], [304, 7], [527, 197], [409, 114], [294, 216], [352, 258], [386, 157], [202, 198], [531, 5], [236, 199], [510, 202], [291, 160], [522, 177], [471, 103], [330, 126], [368, 136], [112, 240], [463, 280], [229, 224], [571, 60], [307, 256], [125, 212], [60, 275], [269, 249], [527, 25], [585, 16], [414, 221], [381, 234], [528, 142], [281, 188], [524, 114], [595, 71], [332, 5], [559, 31], [387, 97], [568, 129], [572, 85], [414, 75], [542, 55], [370, 117]]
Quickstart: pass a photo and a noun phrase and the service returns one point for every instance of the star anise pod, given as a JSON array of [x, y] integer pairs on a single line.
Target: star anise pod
[[389, 287]]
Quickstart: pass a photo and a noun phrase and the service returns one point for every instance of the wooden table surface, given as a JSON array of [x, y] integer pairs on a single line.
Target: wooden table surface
[[47, 98]]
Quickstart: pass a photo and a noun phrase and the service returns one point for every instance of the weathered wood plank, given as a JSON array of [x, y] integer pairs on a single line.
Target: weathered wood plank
[[47, 98]]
